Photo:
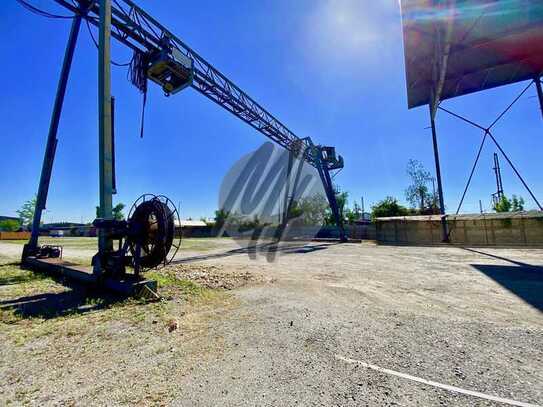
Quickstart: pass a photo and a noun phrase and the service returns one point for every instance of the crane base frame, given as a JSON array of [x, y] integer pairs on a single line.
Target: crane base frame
[[129, 285]]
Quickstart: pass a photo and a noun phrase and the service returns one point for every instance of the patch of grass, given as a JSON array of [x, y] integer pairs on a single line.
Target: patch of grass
[[16, 282], [11, 273], [36, 307], [5, 260], [169, 281], [71, 324]]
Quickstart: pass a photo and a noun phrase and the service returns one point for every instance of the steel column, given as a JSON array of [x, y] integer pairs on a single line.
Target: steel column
[[438, 176], [51, 146], [539, 92], [324, 175], [104, 122]]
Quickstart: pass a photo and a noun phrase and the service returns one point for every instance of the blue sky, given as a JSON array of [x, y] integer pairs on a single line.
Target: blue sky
[[332, 70]]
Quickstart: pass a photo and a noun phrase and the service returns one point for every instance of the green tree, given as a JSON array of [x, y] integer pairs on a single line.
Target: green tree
[[314, 209], [517, 204], [9, 225], [503, 205], [432, 203], [295, 210], [351, 216], [417, 193], [357, 209], [388, 207], [116, 211], [220, 217], [26, 213], [341, 200]]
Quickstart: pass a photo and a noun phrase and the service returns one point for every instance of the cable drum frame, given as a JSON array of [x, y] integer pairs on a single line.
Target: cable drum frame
[[171, 213]]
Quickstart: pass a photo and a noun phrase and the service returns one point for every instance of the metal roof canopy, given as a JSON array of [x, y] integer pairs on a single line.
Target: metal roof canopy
[[457, 47]]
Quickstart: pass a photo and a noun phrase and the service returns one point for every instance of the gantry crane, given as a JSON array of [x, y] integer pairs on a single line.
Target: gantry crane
[[166, 60]]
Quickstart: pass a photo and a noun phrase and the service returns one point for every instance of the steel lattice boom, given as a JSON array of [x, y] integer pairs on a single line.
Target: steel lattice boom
[[135, 28]]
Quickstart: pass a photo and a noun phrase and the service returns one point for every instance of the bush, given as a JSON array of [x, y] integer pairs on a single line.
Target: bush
[[503, 205], [10, 225], [388, 207]]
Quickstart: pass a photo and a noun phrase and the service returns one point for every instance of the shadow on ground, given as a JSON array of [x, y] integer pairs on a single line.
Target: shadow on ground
[[522, 279], [52, 305], [75, 299], [253, 250]]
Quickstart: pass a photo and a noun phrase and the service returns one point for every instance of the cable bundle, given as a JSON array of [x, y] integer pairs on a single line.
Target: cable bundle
[[137, 75]]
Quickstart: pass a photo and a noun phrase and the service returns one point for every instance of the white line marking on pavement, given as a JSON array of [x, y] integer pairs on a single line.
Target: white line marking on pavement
[[436, 384]]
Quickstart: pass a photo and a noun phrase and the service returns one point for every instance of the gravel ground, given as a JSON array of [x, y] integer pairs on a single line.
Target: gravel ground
[[470, 318]]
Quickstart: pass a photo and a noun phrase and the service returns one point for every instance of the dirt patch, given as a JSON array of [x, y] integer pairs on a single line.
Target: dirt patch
[[215, 276]]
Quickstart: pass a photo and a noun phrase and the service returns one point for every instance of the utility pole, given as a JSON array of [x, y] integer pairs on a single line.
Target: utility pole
[[362, 202], [496, 197], [104, 122], [480, 206]]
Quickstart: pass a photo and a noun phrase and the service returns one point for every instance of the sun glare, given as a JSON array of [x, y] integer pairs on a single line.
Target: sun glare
[[349, 27]]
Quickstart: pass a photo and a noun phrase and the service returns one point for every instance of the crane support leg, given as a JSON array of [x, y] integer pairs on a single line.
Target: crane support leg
[[444, 225], [50, 149], [324, 175]]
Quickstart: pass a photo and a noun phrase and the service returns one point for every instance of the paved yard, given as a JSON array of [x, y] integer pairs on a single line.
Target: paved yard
[[316, 326]]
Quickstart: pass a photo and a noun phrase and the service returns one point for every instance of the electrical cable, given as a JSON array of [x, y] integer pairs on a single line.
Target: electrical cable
[[46, 14], [136, 74], [37, 11], [96, 44]]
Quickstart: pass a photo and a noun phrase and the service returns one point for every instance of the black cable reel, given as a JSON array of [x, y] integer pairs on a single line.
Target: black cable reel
[[148, 239]]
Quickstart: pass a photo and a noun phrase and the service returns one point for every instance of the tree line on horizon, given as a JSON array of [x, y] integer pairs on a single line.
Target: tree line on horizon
[[314, 210], [420, 194]]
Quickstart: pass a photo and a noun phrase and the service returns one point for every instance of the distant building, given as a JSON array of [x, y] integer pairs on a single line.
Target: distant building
[[364, 219], [194, 228], [189, 223]]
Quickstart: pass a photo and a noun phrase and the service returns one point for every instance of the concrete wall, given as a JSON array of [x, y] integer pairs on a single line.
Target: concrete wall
[[364, 232], [515, 230], [325, 232]]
